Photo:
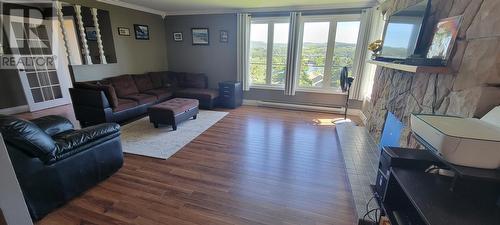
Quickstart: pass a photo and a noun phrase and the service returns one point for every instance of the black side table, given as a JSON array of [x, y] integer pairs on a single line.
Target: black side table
[[230, 94]]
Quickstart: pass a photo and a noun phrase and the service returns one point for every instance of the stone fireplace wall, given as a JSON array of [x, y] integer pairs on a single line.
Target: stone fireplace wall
[[470, 90]]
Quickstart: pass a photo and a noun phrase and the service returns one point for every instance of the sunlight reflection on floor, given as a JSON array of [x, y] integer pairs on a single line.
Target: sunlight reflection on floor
[[324, 122], [329, 122]]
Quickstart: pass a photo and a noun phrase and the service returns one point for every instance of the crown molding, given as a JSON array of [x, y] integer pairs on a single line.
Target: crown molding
[[249, 10], [134, 6], [275, 9]]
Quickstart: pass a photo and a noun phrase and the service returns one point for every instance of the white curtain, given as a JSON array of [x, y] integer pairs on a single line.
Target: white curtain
[[293, 58], [362, 53], [375, 31], [243, 49]]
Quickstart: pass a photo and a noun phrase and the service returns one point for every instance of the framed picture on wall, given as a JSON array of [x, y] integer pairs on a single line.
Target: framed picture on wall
[[445, 33], [141, 32], [224, 36], [200, 36], [178, 36], [91, 33], [123, 31]]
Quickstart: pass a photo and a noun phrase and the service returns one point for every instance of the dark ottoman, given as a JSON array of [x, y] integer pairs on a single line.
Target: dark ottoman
[[173, 111]]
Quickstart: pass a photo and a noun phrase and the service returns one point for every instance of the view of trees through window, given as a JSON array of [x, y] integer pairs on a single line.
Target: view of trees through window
[[280, 49], [259, 47], [314, 49], [313, 67], [258, 53], [344, 50]]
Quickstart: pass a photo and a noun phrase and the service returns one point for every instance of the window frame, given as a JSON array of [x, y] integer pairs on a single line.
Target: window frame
[[270, 21], [333, 20]]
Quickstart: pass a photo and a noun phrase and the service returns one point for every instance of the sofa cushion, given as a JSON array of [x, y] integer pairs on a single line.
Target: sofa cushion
[[124, 85], [110, 93], [194, 80], [143, 82], [124, 104], [157, 78], [197, 93], [104, 82], [142, 98], [27, 136], [71, 143], [107, 88], [86, 85], [53, 125], [172, 79], [161, 93]]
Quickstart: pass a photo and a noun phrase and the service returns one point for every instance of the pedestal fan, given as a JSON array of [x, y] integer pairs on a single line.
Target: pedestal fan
[[345, 84]]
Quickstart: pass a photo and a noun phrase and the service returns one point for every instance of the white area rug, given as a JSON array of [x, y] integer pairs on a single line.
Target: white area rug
[[141, 138]]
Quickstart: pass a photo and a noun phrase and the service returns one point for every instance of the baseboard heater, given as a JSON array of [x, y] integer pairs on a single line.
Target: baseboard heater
[[332, 109]]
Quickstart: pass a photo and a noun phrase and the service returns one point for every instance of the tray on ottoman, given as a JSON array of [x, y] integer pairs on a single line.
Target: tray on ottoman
[[173, 111]]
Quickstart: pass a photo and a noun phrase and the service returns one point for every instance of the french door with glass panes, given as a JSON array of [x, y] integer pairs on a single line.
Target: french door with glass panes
[[44, 75]]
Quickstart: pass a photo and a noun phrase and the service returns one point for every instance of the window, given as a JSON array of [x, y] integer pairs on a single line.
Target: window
[[280, 49], [314, 47], [344, 49], [258, 53], [268, 51], [328, 44]]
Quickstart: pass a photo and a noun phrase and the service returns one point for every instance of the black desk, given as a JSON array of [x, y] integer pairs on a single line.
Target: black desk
[[415, 197]]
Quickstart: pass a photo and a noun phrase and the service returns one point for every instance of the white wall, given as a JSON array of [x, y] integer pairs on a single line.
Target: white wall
[[11, 198]]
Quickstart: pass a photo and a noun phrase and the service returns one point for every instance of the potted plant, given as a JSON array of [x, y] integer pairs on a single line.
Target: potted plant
[[375, 47]]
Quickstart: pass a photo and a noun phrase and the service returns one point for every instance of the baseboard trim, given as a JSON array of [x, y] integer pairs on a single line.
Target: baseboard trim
[[14, 110], [250, 102], [337, 110], [363, 117]]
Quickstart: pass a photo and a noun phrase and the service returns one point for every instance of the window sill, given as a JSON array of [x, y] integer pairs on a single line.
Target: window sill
[[306, 90], [267, 87], [321, 91]]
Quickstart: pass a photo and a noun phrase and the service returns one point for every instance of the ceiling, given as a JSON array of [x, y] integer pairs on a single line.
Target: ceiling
[[178, 7]]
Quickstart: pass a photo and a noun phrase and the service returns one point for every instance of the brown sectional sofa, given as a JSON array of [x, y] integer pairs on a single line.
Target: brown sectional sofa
[[124, 97]]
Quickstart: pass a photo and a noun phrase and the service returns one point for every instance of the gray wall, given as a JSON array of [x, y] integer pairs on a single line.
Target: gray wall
[[304, 98], [133, 56], [11, 90], [217, 60]]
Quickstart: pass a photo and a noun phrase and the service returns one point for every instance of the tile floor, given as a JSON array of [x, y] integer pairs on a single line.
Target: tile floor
[[361, 156]]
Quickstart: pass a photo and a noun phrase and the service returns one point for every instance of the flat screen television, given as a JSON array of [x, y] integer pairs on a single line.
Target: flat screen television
[[403, 32]]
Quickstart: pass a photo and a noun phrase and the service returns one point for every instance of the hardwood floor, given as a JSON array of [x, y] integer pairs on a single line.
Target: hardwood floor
[[256, 166]]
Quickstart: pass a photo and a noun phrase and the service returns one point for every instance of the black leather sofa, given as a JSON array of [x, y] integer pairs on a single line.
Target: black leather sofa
[[124, 97], [54, 162]]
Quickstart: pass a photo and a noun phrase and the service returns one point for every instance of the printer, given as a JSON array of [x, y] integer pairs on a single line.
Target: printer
[[462, 141]]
